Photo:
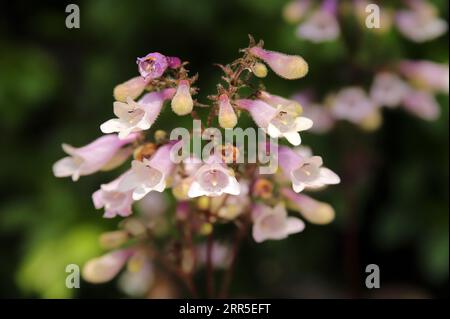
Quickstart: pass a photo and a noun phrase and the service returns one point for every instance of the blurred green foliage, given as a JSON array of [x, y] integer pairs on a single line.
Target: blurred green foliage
[[56, 86]]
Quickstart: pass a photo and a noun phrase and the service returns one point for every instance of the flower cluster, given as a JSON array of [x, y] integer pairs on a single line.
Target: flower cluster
[[208, 191], [319, 20], [409, 84]]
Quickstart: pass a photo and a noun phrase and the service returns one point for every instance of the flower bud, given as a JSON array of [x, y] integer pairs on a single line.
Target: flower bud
[[106, 267], [144, 151], [206, 229], [371, 122], [263, 188], [182, 103], [259, 70], [227, 116], [290, 67], [203, 202], [312, 210], [134, 226], [113, 239], [131, 88], [180, 189], [160, 136]]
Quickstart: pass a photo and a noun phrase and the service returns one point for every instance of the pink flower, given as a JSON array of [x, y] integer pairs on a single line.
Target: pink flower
[[305, 172], [319, 114], [213, 179], [281, 122], [136, 116], [273, 223], [113, 200], [153, 65], [388, 89], [420, 23], [148, 175], [322, 25], [90, 158], [106, 267], [287, 66], [422, 104], [312, 210], [426, 74], [352, 104]]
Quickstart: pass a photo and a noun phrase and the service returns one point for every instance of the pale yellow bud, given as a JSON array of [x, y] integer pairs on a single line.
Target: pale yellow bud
[[259, 70], [203, 202], [106, 267], [290, 67], [180, 190], [131, 88], [206, 229], [312, 210], [227, 116], [182, 102], [372, 122], [113, 239]]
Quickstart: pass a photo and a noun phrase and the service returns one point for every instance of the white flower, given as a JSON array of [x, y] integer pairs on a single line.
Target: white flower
[[213, 179], [274, 223], [136, 116], [305, 172], [148, 175], [282, 121]]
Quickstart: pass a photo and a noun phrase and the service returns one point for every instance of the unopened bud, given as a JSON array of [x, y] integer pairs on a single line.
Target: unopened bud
[[287, 66], [130, 89], [182, 102], [113, 239], [259, 70], [227, 116]]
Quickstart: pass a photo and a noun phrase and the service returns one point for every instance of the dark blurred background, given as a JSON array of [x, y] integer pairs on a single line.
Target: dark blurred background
[[56, 86]]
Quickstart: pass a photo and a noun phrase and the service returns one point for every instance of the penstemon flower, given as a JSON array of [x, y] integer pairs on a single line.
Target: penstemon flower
[[305, 172], [115, 201], [277, 122], [213, 179], [274, 223], [322, 25], [149, 174], [404, 84], [220, 184], [136, 116], [91, 158]]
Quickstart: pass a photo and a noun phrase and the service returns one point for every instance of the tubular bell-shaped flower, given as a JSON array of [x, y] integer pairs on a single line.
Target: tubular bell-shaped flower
[[148, 175], [305, 172], [112, 199], [273, 223], [322, 25], [136, 116], [227, 116], [388, 89], [290, 67], [213, 179], [281, 122], [312, 210], [420, 23], [106, 267], [182, 102], [426, 75], [91, 158], [422, 104], [352, 104]]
